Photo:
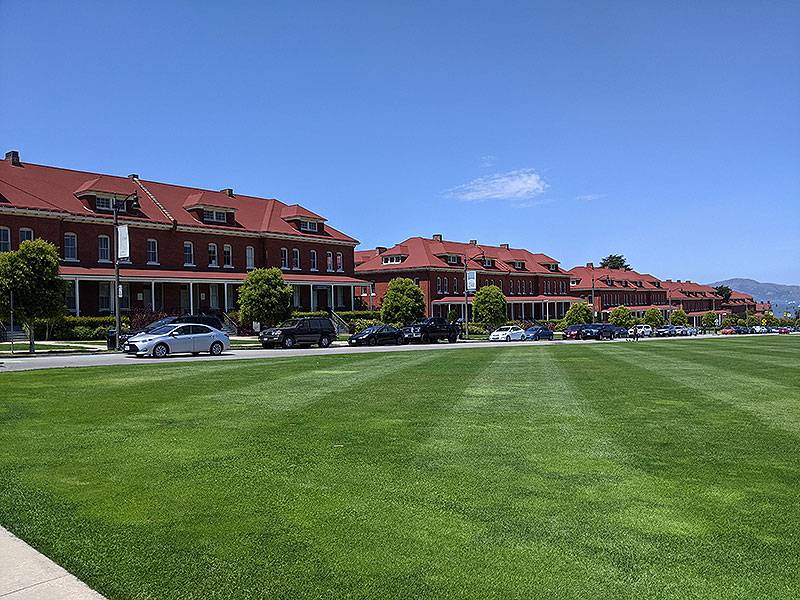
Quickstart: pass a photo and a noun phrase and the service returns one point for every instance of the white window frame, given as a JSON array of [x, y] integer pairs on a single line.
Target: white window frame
[[311, 226], [313, 260], [190, 246], [215, 216], [295, 259], [74, 253], [213, 296], [285, 259], [452, 259], [329, 261], [26, 229], [5, 244], [152, 260], [100, 258], [250, 257], [392, 260], [446, 286], [109, 299], [213, 253], [339, 262], [438, 285], [227, 256]]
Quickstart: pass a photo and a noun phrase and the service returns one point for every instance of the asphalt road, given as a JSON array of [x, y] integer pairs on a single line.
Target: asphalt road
[[28, 363]]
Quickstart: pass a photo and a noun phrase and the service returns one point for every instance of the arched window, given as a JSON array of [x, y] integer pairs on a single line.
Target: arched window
[[70, 246], [5, 239], [152, 252], [445, 285], [313, 260], [284, 258], [438, 285], [329, 260], [339, 262], [295, 258], [455, 285], [188, 254], [103, 249], [227, 256], [250, 257], [212, 256]]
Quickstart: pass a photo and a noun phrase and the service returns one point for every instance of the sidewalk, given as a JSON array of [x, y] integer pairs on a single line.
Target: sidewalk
[[26, 574]]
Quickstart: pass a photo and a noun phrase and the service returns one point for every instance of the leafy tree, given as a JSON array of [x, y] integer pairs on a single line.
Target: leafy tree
[[31, 273], [740, 322], [489, 306], [621, 316], [724, 292], [615, 261], [653, 317], [265, 297], [751, 320], [729, 321], [678, 317], [403, 302], [709, 321], [453, 315], [577, 314]]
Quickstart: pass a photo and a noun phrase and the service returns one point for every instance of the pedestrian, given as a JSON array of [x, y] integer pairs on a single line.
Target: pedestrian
[[635, 333]]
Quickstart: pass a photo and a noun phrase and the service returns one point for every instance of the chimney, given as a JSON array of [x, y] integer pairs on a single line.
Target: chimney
[[133, 176], [590, 265], [473, 242], [228, 192], [504, 246], [437, 237], [380, 249], [12, 156]]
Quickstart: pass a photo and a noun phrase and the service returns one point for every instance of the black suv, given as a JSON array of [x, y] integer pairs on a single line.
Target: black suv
[[303, 331], [432, 329]]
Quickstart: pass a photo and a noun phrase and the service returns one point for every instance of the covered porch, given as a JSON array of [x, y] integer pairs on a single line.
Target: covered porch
[[518, 308]]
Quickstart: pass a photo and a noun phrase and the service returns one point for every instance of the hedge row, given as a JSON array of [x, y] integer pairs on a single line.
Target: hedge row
[[75, 328]]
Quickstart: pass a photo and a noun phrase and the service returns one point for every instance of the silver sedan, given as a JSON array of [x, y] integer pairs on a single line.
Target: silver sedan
[[178, 338]]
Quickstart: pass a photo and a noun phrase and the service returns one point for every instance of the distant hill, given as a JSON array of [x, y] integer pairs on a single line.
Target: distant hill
[[782, 297]]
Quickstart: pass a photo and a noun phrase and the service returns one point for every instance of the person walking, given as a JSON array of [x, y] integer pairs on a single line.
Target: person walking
[[635, 333]]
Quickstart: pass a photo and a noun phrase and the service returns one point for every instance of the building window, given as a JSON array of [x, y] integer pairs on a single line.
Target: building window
[[188, 254], [250, 257], [309, 226], [339, 262], [295, 259], [284, 258], [227, 256], [5, 239], [152, 252], [215, 216], [101, 203], [392, 260], [70, 246], [25, 234], [329, 260], [103, 248], [213, 296], [213, 260], [444, 289], [488, 263], [313, 261], [104, 298], [416, 281], [71, 297], [455, 285], [438, 285], [452, 259]]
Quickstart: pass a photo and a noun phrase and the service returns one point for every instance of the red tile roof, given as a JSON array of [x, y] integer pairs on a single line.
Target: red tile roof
[[52, 189], [428, 253], [618, 277]]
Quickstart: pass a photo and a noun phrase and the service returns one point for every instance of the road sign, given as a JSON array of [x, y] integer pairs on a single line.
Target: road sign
[[472, 281]]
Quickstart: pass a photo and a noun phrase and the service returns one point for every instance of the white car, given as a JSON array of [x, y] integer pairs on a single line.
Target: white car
[[178, 338], [643, 330], [507, 333]]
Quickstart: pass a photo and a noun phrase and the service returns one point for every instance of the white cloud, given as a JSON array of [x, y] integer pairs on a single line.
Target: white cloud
[[489, 160], [589, 197], [522, 184]]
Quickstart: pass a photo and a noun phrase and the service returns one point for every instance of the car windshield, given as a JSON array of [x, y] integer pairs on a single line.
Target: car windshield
[[372, 329], [290, 323], [534, 328], [164, 330], [504, 329]]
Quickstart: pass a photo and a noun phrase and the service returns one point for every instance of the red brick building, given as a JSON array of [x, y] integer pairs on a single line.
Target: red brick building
[[740, 304], [694, 298], [617, 287], [534, 284], [190, 248]]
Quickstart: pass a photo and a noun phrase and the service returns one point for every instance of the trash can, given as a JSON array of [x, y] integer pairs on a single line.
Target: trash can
[[111, 339]]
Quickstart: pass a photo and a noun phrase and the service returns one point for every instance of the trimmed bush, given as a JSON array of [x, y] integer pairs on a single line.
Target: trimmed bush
[[357, 325], [64, 328], [82, 332]]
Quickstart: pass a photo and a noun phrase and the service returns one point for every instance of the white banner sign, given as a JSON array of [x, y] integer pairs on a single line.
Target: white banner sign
[[472, 281], [123, 242]]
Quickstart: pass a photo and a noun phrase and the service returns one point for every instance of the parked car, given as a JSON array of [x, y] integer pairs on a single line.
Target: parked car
[[176, 338], [432, 329], [643, 330], [507, 333], [299, 332], [617, 331], [727, 331], [573, 332], [377, 335], [666, 331], [538, 332], [209, 320], [784, 330], [689, 331], [596, 331]]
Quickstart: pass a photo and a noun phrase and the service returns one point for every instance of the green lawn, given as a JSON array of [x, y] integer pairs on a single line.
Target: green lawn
[[650, 470], [22, 347]]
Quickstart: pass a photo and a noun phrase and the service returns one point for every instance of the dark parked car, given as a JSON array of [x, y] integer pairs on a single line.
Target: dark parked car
[[210, 320], [538, 332], [377, 335], [432, 329], [666, 331], [596, 331], [299, 332], [573, 332], [618, 332]]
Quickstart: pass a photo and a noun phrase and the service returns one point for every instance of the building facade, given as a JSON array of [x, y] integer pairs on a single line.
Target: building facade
[[190, 248], [609, 288], [534, 284]]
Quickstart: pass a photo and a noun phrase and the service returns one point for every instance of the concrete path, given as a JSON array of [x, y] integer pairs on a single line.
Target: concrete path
[[93, 360], [26, 574]]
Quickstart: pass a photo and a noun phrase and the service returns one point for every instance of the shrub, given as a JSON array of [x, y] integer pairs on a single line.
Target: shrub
[[357, 325], [489, 306], [82, 333], [63, 328], [265, 298], [679, 317], [477, 328], [578, 314], [403, 302], [653, 317], [100, 333], [709, 320], [621, 316]]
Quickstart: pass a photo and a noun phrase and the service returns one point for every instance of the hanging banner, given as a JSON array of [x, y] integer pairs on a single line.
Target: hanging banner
[[472, 281], [123, 243]]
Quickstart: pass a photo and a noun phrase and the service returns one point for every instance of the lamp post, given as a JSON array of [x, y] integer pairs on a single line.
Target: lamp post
[[466, 299], [129, 202], [594, 318]]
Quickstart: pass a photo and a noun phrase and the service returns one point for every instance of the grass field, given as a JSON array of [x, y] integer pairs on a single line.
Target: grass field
[[651, 470]]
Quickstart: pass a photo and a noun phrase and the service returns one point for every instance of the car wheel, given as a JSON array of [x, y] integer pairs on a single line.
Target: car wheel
[[288, 342], [452, 339], [324, 341], [425, 339], [402, 340], [372, 341], [161, 351], [216, 349], [508, 338], [536, 338]]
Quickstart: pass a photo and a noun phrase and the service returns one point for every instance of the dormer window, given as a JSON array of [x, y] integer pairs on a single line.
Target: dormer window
[[392, 260], [215, 216], [553, 267], [452, 259], [102, 203], [519, 265], [311, 226], [488, 263]]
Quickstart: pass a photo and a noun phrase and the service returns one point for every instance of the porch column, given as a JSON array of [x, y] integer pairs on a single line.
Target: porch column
[[153, 295], [191, 298], [313, 300], [225, 296], [352, 297], [77, 297], [332, 300], [547, 311]]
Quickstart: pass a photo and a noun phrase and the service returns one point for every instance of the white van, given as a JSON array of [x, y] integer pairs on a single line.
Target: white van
[[641, 330]]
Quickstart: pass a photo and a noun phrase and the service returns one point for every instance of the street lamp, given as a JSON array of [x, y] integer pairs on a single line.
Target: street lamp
[[466, 300], [117, 205]]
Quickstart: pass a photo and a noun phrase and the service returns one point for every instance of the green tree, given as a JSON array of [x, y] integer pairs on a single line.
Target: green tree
[[615, 261], [751, 320], [453, 315], [621, 316], [724, 292], [577, 314], [31, 273], [653, 317], [265, 298], [709, 321], [489, 306], [403, 302], [678, 317]]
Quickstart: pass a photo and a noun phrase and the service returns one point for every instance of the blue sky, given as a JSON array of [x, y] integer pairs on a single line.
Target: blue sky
[[669, 132]]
